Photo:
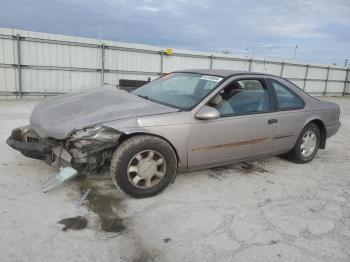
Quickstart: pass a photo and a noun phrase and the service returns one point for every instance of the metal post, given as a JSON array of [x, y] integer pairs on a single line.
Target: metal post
[[161, 62], [250, 65], [211, 62], [19, 68], [102, 64], [305, 77], [326, 84], [346, 81], [282, 69]]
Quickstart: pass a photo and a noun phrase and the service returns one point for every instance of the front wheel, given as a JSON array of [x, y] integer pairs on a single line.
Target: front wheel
[[143, 166], [307, 145]]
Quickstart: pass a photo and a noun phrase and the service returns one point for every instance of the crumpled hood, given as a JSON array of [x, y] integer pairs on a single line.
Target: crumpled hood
[[58, 116]]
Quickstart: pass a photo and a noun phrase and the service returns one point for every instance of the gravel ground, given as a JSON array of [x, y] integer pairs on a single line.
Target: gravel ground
[[268, 210]]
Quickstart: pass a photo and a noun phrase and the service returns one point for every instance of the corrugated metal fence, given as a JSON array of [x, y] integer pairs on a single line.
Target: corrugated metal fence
[[34, 63]]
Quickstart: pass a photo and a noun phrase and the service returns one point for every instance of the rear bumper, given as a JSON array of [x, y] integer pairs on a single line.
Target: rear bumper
[[333, 129], [36, 150]]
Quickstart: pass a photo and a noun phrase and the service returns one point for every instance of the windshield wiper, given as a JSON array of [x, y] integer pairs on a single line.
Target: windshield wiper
[[158, 102], [145, 97]]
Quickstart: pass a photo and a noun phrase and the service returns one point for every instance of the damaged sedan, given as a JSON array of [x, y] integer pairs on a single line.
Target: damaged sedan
[[182, 121]]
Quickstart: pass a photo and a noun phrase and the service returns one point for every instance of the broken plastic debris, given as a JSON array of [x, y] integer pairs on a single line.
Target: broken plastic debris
[[84, 197], [55, 180]]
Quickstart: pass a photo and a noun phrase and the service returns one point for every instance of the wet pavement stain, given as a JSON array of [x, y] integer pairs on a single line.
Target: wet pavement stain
[[112, 225], [75, 223], [102, 205], [144, 256], [244, 168], [166, 240], [220, 172], [105, 201], [248, 167]]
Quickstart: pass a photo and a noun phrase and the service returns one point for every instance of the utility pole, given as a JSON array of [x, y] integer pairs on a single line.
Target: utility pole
[[246, 52], [295, 52], [19, 68]]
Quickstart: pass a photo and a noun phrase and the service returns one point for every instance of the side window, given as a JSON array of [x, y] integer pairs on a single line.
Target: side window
[[286, 99], [246, 96]]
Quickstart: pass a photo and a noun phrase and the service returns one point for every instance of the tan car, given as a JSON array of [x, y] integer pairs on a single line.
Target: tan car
[[185, 120]]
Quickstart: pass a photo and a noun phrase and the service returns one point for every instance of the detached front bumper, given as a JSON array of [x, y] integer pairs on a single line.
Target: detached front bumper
[[33, 149]]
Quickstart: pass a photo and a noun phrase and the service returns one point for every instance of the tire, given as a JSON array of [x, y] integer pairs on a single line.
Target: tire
[[139, 174], [301, 156]]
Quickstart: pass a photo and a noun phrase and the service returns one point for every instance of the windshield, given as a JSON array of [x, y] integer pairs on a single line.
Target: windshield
[[180, 90]]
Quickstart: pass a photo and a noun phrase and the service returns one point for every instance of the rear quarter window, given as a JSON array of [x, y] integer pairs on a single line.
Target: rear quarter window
[[286, 99]]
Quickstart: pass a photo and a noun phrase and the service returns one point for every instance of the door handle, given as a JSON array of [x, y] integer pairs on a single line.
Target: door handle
[[272, 121]]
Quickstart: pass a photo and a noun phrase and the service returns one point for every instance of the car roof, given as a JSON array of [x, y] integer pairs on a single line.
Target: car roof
[[218, 72], [228, 73]]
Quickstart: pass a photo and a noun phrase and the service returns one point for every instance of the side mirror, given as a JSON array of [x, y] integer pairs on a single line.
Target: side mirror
[[207, 113]]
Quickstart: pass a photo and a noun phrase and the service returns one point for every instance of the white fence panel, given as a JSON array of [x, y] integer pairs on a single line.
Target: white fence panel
[[315, 87], [272, 68], [8, 54], [266, 67], [223, 63], [334, 88], [132, 61], [299, 83], [338, 75], [230, 64], [294, 71], [258, 66], [58, 81], [53, 64], [8, 79], [48, 54], [317, 73], [240, 65], [175, 62]]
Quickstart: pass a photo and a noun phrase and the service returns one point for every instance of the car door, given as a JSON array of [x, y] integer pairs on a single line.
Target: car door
[[246, 126], [291, 116]]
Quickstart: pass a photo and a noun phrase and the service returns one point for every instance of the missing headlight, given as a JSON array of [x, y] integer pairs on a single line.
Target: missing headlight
[[89, 146], [98, 133]]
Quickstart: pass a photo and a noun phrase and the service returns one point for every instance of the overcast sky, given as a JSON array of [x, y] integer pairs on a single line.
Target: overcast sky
[[320, 28]]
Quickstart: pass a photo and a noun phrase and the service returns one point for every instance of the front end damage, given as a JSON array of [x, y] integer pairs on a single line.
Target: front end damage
[[29, 144], [86, 149]]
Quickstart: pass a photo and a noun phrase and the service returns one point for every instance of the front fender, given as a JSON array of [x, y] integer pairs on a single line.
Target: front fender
[[175, 134]]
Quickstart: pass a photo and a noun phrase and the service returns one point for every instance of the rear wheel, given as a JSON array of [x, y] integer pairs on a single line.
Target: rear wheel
[[307, 145], [143, 166]]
